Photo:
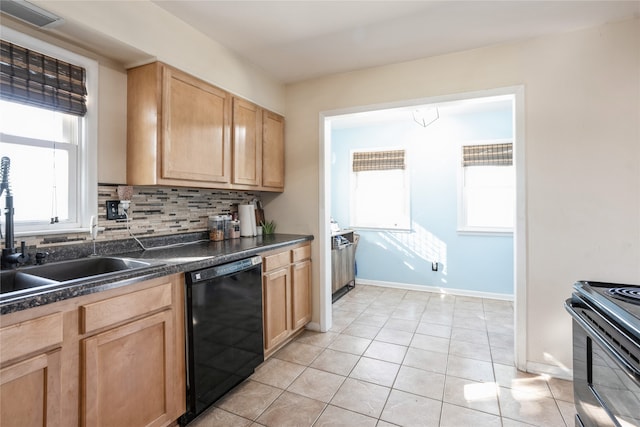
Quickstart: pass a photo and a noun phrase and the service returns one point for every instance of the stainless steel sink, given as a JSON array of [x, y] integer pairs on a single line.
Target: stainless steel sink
[[65, 271], [16, 280], [84, 267]]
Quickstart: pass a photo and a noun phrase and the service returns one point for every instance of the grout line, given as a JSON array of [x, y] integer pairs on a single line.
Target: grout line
[[352, 310]]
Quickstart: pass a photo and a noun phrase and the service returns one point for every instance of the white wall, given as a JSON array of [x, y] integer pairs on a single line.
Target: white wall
[[121, 34], [155, 34], [582, 139]]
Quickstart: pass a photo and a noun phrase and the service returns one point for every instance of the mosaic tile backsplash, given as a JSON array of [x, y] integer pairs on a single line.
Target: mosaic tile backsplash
[[154, 211]]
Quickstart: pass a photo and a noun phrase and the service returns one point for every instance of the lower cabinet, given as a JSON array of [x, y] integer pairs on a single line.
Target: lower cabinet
[[300, 293], [287, 295], [114, 358], [30, 392], [30, 383], [276, 291]]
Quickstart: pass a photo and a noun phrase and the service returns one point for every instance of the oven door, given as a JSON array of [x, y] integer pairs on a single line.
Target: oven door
[[606, 380]]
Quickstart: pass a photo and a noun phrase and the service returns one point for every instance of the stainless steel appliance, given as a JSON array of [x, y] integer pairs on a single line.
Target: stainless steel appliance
[[343, 262], [606, 353], [224, 330]]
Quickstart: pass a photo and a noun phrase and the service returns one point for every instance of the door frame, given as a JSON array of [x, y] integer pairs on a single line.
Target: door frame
[[519, 232]]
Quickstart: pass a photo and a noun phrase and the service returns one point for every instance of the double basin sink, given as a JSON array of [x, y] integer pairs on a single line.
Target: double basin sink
[[64, 272]]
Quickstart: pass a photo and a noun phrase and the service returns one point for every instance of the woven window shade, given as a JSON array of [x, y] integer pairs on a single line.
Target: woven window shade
[[38, 80], [487, 155], [378, 160]]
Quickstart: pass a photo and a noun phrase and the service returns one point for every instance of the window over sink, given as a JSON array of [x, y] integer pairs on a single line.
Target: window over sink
[[48, 129]]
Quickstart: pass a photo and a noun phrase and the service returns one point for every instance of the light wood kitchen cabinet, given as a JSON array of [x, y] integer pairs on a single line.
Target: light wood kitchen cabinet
[[178, 129], [182, 131], [247, 143], [286, 295], [301, 286], [30, 379], [129, 370], [110, 358], [276, 290], [272, 151], [258, 146], [126, 376]]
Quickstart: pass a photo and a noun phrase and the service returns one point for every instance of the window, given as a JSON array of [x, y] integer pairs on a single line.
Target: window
[[487, 194], [48, 130], [380, 190]]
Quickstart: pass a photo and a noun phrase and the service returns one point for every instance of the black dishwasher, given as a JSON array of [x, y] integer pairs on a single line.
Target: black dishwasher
[[224, 330]]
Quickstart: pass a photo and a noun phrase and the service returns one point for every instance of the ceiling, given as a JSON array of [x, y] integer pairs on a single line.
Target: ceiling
[[425, 113], [297, 40]]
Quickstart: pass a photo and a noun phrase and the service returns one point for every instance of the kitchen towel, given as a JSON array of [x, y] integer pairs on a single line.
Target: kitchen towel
[[247, 217]]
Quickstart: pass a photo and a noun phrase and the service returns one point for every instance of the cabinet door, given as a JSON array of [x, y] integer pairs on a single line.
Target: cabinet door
[[30, 392], [276, 288], [301, 294], [247, 143], [272, 150], [195, 130], [128, 378]]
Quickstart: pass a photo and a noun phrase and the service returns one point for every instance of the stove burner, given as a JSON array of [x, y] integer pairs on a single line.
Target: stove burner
[[631, 295]]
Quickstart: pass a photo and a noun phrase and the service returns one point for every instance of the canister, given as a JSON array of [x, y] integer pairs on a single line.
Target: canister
[[227, 226], [234, 229], [216, 228]]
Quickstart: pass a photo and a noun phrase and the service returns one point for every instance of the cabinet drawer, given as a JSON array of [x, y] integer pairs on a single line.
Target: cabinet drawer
[[301, 253], [118, 309], [30, 336], [272, 262]]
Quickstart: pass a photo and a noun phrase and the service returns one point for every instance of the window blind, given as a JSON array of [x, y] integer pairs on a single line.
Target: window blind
[[378, 160], [487, 155], [31, 78]]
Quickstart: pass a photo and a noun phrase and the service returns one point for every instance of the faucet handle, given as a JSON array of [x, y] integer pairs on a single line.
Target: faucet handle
[[41, 257], [22, 257]]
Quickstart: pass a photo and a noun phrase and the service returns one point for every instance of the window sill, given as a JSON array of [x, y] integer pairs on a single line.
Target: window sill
[[485, 232], [386, 229], [28, 233]]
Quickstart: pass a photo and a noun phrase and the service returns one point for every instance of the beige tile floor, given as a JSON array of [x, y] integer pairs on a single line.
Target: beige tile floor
[[399, 358]]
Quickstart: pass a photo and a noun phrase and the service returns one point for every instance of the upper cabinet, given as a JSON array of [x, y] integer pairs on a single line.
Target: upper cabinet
[[272, 151], [247, 143], [195, 130], [258, 146], [182, 131]]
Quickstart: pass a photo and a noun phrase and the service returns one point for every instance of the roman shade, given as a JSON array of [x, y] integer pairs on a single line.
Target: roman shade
[[31, 78], [487, 155], [378, 160]]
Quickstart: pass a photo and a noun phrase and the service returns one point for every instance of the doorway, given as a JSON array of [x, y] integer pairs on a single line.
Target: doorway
[[330, 119]]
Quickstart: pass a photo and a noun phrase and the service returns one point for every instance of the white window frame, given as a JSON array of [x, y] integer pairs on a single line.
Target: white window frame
[[86, 194], [405, 223], [463, 228]]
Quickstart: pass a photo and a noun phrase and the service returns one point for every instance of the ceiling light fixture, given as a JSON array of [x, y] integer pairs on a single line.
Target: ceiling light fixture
[[425, 117]]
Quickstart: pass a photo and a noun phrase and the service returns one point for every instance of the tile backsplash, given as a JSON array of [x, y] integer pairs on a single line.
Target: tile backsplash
[[154, 211]]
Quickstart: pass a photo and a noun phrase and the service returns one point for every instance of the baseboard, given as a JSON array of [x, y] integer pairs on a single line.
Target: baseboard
[[435, 289], [313, 326], [531, 367], [550, 370]]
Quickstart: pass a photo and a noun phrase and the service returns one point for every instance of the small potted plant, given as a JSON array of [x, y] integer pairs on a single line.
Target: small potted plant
[[268, 227]]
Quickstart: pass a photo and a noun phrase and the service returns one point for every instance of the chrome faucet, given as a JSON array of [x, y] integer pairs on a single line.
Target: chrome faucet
[[10, 258]]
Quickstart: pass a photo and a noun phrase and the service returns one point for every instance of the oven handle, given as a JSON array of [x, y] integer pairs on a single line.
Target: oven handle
[[630, 370]]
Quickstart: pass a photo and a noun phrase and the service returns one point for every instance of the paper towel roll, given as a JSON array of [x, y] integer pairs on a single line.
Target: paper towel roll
[[247, 217]]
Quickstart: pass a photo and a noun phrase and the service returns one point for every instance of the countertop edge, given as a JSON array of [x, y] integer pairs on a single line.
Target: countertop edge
[[210, 257]]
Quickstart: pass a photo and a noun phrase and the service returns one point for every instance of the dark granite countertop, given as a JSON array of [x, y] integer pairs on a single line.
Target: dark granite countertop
[[178, 258]]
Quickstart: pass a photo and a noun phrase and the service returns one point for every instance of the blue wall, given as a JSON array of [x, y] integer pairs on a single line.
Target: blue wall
[[477, 263]]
